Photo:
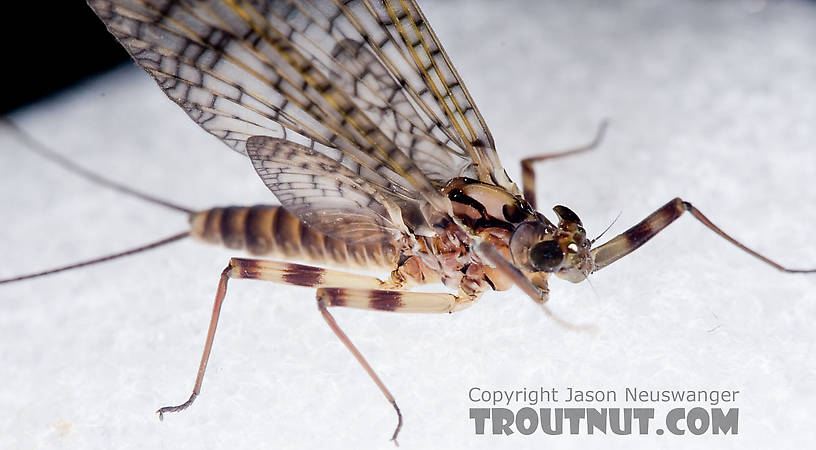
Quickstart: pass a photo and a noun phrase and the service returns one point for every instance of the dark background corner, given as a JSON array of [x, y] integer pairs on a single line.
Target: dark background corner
[[50, 46]]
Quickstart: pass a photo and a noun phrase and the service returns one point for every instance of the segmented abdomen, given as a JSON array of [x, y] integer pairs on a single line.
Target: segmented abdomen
[[271, 231]]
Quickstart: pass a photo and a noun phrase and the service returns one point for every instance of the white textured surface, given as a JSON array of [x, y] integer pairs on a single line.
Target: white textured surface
[[708, 100]]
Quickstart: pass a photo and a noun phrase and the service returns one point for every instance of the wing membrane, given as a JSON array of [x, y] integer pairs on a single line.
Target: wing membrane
[[440, 84], [364, 85], [326, 194], [382, 99]]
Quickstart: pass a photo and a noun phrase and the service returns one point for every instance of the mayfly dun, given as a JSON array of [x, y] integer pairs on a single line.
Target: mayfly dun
[[354, 117]]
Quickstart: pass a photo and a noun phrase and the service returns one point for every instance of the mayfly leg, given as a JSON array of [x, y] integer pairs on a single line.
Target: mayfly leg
[[335, 289], [629, 241], [528, 178]]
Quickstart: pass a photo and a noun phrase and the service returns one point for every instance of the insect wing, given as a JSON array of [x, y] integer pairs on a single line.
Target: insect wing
[[440, 87], [366, 85], [324, 193]]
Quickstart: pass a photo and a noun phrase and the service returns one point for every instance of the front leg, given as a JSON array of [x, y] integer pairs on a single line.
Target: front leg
[[634, 237]]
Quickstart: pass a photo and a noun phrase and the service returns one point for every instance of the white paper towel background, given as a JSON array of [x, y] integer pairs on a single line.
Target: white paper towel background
[[711, 101]]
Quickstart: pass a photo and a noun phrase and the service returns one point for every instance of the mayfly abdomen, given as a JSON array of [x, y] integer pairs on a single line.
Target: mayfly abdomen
[[270, 230]]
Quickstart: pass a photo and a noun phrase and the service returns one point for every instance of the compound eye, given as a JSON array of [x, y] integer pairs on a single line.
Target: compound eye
[[546, 256]]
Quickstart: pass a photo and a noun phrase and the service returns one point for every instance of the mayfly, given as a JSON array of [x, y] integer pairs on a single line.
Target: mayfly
[[354, 117]]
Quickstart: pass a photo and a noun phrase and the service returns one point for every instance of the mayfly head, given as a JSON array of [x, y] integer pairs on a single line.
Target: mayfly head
[[539, 246]]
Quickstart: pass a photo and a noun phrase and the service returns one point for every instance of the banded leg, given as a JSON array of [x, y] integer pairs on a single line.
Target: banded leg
[[341, 289], [384, 300], [528, 171], [628, 241]]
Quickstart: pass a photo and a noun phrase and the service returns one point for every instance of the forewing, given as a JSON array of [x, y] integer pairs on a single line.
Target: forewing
[[394, 38], [383, 99], [435, 82], [236, 68], [366, 85]]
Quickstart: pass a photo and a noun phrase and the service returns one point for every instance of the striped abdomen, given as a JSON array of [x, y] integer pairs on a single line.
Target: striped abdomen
[[272, 231]]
